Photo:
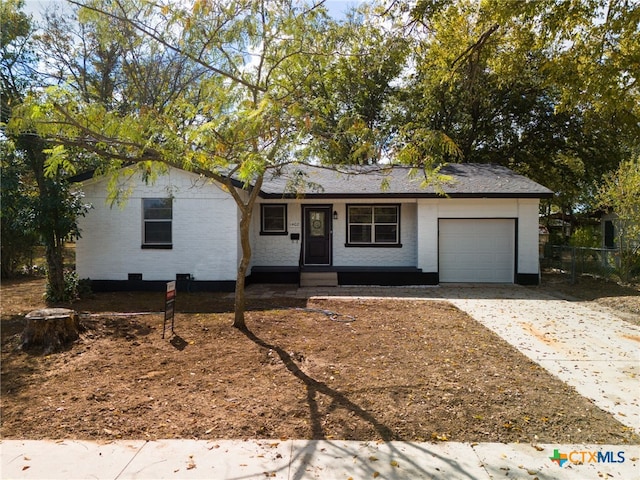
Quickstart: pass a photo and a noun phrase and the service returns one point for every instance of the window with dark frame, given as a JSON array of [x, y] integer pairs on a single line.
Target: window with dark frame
[[273, 219], [157, 222], [373, 225], [609, 234]]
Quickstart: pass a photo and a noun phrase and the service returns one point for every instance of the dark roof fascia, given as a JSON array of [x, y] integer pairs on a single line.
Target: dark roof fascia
[[81, 177], [84, 176], [291, 196]]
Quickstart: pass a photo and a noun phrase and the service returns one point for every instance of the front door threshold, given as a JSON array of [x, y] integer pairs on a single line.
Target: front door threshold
[[316, 268]]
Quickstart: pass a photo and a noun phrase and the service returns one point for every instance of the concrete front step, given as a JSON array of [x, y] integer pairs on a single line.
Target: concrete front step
[[318, 279]]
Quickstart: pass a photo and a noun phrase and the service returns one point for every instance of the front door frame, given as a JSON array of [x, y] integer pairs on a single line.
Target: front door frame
[[328, 209]]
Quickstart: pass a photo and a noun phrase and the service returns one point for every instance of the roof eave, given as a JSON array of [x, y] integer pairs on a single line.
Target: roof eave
[[403, 195]]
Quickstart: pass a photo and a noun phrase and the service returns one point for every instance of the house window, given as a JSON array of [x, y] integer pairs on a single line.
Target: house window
[[373, 225], [273, 219], [157, 219], [609, 234]]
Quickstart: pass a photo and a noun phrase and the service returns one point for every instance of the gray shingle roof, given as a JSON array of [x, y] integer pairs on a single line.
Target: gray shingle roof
[[468, 180]]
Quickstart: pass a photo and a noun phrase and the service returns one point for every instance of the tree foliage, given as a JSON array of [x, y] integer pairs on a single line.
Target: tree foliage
[[16, 64], [346, 99], [210, 87], [548, 88], [36, 199], [18, 233], [620, 193]]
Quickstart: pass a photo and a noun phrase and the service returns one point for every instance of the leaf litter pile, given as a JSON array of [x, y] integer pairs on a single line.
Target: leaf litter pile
[[380, 370]]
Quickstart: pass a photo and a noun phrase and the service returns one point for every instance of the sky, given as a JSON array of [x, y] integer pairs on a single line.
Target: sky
[[35, 7], [336, 8]]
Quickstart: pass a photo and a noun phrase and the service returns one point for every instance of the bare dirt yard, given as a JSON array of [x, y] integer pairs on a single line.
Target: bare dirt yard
[[386, 370], [598, 292]]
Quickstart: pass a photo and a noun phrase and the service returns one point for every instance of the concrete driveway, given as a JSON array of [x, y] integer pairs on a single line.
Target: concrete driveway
[[594, 351]]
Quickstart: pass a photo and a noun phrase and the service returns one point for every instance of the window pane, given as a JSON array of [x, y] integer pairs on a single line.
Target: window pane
[[317, 225], [157, 232], [273, 218], [386, 233], [157, 203], [360, 233], [360, 214], [157, 208], [386, 215], [274, 224]]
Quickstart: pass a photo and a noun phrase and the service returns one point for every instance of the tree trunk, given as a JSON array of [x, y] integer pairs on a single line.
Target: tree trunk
[[240, 300], [51, 329], [48, 215], [245, 222], [55, 269]]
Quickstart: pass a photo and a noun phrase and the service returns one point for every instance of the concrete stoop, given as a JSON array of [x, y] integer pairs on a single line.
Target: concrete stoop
[[318, 279]]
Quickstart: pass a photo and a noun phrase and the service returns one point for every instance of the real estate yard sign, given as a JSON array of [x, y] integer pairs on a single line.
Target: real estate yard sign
[[169, 306]]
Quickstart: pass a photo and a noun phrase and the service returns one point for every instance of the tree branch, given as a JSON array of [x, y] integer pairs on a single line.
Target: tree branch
[[162, 41], [476, 46]]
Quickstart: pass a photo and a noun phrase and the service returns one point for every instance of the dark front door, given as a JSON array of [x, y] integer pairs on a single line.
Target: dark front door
[[317, 235]]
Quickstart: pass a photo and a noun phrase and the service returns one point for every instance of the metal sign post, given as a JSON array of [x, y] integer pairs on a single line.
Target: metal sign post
[[169, 306]]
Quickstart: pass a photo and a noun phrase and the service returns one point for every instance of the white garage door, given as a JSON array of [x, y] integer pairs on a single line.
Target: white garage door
[[477, 250]]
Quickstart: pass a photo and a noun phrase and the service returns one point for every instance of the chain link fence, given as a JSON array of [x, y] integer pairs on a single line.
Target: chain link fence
[[576, 261]]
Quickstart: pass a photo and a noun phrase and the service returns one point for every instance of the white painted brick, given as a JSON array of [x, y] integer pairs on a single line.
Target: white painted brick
[[206, 240], [427, 231], [528, 231], [204, 233], [277, 250]]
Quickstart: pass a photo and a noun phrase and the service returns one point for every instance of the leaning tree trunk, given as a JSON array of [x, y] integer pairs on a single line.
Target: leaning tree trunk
[[245, 241], [49, 213], [51, 329]]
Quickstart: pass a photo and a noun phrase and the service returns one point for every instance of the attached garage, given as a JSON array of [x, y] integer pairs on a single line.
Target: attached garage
[[478, 250]]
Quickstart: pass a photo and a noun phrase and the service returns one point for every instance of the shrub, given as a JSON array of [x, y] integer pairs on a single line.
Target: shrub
[[585, 237], [73, 288]]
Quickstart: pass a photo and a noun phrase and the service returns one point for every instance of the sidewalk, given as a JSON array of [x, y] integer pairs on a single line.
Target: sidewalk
[[299, 459], [595, 352]]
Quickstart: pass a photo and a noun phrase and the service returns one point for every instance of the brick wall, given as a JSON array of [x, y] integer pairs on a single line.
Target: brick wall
[[204, 231], [277, 250]]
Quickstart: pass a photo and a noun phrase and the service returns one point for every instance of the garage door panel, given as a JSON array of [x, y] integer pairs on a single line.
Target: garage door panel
[[477, 250]]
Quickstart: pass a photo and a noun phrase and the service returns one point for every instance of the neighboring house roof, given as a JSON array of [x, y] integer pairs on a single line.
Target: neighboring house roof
[[468, 180]]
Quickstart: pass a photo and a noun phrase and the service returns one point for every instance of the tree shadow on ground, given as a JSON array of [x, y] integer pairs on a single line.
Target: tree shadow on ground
[[305, 457], [315, 387]]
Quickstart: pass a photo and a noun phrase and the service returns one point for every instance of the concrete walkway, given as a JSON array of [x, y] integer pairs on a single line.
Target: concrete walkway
[[595, 352]]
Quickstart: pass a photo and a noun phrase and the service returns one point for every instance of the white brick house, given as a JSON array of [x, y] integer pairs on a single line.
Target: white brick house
[[346, 225]]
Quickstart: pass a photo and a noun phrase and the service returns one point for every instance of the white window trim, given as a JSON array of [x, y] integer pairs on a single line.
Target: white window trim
[[145, 243]]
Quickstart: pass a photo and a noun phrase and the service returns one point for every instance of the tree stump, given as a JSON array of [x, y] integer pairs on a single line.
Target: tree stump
[[51, 329]]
